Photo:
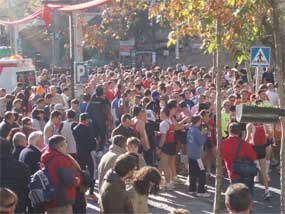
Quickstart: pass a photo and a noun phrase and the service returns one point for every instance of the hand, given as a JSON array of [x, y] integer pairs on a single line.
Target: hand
[[158, 152], [157, 133], [77, 181]]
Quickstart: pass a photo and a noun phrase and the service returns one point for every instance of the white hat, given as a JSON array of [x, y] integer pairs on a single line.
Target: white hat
[[234, 69], [59, 107]]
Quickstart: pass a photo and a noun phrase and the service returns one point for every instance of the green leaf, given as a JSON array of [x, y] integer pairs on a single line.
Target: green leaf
[[212, 47]]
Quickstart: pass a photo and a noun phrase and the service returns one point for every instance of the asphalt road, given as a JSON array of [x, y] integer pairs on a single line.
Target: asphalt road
[[165, 202]]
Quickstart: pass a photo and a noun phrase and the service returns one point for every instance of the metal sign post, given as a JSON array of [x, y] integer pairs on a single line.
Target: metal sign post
[[258, 73], [71, 54]]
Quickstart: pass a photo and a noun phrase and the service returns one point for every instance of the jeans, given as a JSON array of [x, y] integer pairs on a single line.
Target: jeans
[[79, 206], [62, 210], [149, 157], [84, 160], [195, 174]]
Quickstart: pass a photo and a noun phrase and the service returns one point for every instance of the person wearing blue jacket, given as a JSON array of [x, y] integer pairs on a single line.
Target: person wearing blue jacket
[[195, 141]]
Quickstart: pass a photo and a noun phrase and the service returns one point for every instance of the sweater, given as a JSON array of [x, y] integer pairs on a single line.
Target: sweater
[[114, 198], [228, 150], [139, 202], [195, 142], [108, 160]]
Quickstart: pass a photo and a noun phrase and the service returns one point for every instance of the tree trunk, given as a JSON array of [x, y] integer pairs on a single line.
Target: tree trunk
[[219, 176], [279, 38]]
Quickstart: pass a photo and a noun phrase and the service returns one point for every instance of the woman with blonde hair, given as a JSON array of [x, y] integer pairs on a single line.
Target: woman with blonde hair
[[180, 211], [8, 201]]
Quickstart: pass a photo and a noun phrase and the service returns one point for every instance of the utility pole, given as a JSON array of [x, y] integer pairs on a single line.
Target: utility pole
[[71, 54], [258, 73], [219, 178], [177, 53], [78, 36], [11, 29], [71, 40]]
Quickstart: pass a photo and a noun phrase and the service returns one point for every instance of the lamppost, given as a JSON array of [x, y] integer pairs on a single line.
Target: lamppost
[[71, 53], [11, 30], [71, 40], [177, 53]]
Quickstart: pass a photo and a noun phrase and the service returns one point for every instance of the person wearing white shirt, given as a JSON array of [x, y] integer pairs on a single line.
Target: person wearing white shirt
[[65, 96], [66, 130], [272, 94], [230, 75]]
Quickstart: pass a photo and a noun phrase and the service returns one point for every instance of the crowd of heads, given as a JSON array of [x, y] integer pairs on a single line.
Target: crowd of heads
[[152, 94]]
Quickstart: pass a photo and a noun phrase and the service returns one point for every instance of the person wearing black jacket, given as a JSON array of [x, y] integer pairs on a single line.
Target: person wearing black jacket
[[31, 155], [85, 144], [154, 103], [268, 76], [20, 142], [14, 175], [7, 124], [99, 111]]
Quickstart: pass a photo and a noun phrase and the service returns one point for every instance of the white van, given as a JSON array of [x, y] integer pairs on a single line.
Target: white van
[[13, 71]]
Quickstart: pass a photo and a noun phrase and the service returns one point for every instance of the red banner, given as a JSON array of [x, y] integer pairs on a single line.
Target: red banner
[[21, 21], [46, 10], [7, 65], [84, 6]]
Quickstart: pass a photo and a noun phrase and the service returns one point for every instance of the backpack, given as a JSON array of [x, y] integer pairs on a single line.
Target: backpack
[[41, 189]]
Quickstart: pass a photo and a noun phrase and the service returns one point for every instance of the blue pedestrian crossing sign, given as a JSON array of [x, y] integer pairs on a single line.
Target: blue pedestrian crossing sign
[[260, 56]]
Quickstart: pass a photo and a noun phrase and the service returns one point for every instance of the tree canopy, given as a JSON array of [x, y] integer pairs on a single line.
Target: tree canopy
[[240, 21]]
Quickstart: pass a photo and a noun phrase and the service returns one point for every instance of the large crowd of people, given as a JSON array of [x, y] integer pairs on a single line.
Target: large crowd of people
[[135, 131]]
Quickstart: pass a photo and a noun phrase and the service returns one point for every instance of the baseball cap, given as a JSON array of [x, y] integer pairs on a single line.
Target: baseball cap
[[155, 94]]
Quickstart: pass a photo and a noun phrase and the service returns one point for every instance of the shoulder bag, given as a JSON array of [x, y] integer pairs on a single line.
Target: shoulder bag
[[244, 168]]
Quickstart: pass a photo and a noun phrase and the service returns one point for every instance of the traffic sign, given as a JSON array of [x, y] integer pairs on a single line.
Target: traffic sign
[[260, 56], [81, 74]]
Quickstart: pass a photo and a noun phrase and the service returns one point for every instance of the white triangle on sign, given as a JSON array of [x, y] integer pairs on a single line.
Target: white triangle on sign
[[260, 58]]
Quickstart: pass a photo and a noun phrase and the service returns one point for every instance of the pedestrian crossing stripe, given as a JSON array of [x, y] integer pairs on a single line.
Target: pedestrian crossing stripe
[[260, 56]]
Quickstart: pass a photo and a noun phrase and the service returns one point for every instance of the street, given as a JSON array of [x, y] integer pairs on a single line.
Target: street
[[165, 202]]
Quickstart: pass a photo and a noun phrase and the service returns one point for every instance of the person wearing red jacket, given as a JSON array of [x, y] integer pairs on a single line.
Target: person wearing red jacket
[[64, 175], [228, 151]]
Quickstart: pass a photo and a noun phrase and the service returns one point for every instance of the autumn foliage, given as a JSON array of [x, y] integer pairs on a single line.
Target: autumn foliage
[[240, 22]]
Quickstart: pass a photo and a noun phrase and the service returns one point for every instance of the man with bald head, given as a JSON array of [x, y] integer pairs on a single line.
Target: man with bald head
[[32, 153], [56, 98]]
